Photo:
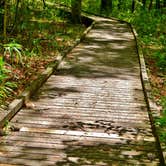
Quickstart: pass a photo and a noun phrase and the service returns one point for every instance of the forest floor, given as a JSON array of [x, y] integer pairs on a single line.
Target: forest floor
[[43, 36]]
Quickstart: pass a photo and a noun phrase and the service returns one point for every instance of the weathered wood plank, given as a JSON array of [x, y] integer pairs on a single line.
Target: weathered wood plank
[[87, 127], [25, 162], [121, 140], [85, 109], [7, 165], [78, 116], [91, 112], [31, 150], [58, 123], [32, 156], [83, 133], [53, 113], [60, 139], [50, 163]]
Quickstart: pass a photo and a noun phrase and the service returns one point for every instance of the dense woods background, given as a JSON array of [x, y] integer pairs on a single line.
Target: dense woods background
[[33, 32]]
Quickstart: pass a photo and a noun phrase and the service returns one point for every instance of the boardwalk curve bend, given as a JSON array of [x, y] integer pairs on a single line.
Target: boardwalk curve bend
[[92, 111]]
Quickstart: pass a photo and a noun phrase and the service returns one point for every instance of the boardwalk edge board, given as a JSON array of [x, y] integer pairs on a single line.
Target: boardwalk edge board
[[17, 103], [152, 107]]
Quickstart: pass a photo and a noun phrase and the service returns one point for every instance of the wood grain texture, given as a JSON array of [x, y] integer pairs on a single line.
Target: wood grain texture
[[92, 111]]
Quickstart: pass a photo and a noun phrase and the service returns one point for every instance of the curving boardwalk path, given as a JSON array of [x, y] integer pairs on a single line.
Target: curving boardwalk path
[[92, 112]]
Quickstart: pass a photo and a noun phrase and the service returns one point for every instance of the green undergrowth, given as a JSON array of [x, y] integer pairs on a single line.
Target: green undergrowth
[[39, 36], [6, 87], [161, 122]]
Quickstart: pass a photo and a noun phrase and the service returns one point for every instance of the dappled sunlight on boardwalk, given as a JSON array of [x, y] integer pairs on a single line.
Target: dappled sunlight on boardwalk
[[92, 111]]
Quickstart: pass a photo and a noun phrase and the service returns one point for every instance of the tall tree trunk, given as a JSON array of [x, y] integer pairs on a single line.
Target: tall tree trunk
[[2, 3], [76, 11], [157, 4], [164, 3], [44, 3], [150, 4], [106, 5], [119, 4], [16, 15], [144, 4], [5, 22], [133, 6]]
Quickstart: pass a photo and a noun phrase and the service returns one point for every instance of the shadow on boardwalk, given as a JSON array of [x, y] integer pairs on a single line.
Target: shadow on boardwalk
[[104, 56], [90, 112]]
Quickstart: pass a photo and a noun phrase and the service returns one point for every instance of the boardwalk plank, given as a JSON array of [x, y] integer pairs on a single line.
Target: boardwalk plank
[[92, 111]]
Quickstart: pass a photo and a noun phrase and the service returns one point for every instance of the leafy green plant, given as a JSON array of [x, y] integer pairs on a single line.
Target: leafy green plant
[[161, 122], [163, 103], [162, 39], [36, 46], [13, 52], [6, 87], [2, 70], [160, 58], [163, 137], [6, 128], [6, 90]]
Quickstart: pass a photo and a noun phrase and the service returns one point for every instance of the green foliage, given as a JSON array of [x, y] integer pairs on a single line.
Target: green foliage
[[163, 137], [13, 51], [150, 28], [160, 58], [36, 46], [151, 33], [6, 87], [92, 6], [163, 103], [161, 122], [6, 128], [43, 33], [2, 70], [1, 11]]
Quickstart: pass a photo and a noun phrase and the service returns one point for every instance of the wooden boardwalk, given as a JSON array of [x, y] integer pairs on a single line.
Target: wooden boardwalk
[[92, 112]]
